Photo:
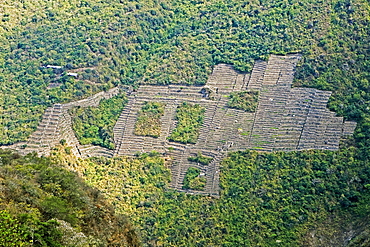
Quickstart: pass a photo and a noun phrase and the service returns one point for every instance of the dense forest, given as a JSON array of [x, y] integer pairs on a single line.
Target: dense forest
[[44, 204], [266, 198], [276, 199]]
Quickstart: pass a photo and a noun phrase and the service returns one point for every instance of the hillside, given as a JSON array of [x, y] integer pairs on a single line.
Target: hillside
[[110, 42], [44, 204], [53, 53], [306, 198]]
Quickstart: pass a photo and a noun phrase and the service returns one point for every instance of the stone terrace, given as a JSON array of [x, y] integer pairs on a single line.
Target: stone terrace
[[56, 125], [286, 119]]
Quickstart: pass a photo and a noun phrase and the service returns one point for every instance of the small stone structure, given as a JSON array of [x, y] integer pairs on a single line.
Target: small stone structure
[[286, 119]]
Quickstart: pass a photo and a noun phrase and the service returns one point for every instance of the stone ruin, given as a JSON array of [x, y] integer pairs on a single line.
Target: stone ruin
[[56, 125], [286, 119]]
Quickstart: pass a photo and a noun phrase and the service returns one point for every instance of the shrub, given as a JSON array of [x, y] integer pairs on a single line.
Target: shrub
[[94, 125], [193, 180], [204, 160], [246, 100], [190, 117], [148, 122]]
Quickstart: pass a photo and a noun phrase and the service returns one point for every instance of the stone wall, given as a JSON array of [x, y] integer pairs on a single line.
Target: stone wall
[[286, 119]]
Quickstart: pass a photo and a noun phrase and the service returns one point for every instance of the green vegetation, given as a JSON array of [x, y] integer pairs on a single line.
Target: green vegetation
[[193, 180], [246, 100], [266, 197], [190, 118], [362, 240], [288, 192], [94, 125], [148, 122], [130, 184], [43, 204], [172, 42], [11, 233], [204, 160]]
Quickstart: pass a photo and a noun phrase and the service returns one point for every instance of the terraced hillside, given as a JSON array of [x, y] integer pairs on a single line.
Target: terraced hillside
[[56, 125], [286, 119]]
